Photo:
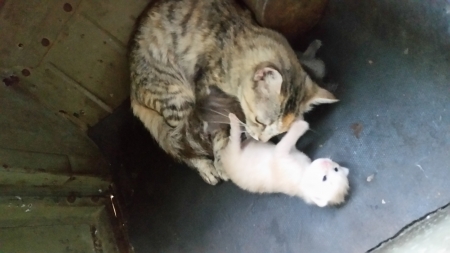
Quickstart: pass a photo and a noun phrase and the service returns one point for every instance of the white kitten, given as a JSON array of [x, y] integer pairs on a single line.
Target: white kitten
[[268, 168]]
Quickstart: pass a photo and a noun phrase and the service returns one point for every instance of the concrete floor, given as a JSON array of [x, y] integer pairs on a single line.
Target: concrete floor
[[430, 234], [391, 62]]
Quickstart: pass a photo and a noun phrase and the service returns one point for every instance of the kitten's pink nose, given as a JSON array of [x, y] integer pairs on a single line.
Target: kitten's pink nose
[[326, 162]]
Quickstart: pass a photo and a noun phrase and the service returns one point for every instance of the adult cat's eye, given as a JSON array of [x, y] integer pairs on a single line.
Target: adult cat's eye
[[259, 122], [336, 169], [324, 178]]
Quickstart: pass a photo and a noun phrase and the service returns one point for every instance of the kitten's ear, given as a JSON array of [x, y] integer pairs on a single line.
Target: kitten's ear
[[345, 170], [268, 80], [320, 202], [320, 96]]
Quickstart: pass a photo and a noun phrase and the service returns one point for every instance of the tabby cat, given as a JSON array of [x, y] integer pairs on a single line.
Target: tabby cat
[[181, 47]]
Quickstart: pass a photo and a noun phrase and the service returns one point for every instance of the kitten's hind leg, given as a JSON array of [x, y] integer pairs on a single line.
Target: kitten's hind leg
[[220, 141], [205, 168]]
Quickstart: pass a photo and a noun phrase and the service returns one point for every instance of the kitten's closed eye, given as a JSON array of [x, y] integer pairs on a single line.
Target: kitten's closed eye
[[324, 178], [336, 169]]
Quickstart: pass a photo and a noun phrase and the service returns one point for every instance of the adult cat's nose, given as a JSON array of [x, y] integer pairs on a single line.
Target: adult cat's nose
[[254, 136]]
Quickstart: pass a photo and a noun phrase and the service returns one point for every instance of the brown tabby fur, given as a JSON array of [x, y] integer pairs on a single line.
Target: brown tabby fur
[[214, 108], [182, 47]]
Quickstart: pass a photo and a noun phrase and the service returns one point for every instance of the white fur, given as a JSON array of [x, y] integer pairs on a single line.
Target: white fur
[[267, 168]]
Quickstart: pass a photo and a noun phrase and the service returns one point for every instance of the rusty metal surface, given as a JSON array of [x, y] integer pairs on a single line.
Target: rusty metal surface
[[42, 174], [69, 55], [290, 17], [62, 69], [34, 225]]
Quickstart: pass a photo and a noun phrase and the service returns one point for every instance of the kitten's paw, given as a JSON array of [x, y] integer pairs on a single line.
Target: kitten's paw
[[301, 124]]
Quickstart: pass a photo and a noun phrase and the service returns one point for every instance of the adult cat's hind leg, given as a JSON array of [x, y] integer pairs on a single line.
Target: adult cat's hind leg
[[205, 168], [170, 141], [309, 61], [158, 85], [312, 49]]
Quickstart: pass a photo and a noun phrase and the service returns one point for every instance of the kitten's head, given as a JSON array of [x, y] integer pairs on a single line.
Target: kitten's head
[[325, 183], [276, 98]]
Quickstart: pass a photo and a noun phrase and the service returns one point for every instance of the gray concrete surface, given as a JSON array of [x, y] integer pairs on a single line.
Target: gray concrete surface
[[429, 235], [391, 61]]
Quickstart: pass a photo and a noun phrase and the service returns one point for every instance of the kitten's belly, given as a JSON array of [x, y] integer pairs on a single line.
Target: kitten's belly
[[252, 170], [256, 149]]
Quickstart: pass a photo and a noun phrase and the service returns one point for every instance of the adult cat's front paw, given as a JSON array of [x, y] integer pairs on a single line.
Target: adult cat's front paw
[[209, 178], [206, 169]]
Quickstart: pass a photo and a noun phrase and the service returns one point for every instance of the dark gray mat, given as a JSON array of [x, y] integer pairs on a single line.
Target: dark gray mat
[[392, 63]]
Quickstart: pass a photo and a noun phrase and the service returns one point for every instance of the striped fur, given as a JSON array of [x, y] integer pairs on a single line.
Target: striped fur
[[181, 47]]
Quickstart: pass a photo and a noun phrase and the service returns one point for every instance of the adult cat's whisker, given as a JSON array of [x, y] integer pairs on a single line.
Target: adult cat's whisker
[[242, 123], [225, 123], [219, 122]]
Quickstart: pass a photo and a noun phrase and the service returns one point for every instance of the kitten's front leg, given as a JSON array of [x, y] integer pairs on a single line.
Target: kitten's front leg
[[220, 141], [281, 136], [297, 129]]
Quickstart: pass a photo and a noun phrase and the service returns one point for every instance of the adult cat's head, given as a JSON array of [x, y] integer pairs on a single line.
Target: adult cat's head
[[276, 97]]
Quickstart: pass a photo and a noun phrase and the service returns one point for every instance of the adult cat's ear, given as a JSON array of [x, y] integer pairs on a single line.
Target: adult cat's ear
[[320, 95], [268, 80]]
